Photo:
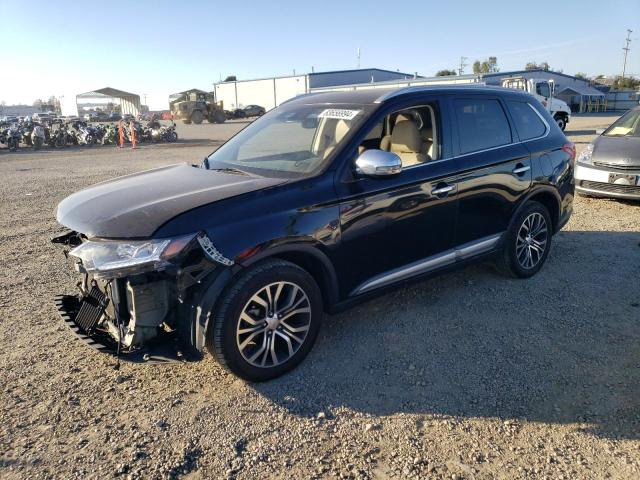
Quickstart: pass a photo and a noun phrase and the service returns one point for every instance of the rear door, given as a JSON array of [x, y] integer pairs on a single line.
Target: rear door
[[495, 168]]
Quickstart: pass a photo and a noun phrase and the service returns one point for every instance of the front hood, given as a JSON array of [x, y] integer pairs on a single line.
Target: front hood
[[135, 206], [624, 151]]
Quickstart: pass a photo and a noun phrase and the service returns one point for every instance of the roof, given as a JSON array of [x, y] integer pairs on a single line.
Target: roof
[[365, 70], [191, 90], [582, 90], [411, 75], [522, 72], [108, 92], [378, 95]]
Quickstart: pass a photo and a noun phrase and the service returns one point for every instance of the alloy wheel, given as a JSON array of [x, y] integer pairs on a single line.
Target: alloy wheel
[[532, 240], [273, 324]]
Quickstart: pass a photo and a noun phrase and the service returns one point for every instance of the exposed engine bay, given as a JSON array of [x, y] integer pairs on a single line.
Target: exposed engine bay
[[136, 310]]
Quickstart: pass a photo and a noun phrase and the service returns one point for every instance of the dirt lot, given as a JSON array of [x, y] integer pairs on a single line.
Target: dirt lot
[[469, 375]]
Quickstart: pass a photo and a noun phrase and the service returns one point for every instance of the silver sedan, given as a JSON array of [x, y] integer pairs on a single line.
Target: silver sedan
[[610, 165]]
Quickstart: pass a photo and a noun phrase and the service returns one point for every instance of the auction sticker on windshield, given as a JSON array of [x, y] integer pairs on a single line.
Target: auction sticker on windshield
[[339, 113]]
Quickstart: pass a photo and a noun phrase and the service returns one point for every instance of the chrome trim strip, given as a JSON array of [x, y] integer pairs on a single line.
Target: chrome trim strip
[[477, 247], [428, 264]]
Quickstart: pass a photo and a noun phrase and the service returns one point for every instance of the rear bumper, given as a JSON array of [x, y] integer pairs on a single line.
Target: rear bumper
[[594, 180], [167, 350]]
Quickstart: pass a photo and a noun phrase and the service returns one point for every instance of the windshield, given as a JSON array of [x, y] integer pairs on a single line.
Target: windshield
[[626, 126], [290, 141]]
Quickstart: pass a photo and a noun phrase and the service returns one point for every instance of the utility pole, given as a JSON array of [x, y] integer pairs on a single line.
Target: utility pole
[[145, 98], [626, 52], [463, 63], [358, 57]]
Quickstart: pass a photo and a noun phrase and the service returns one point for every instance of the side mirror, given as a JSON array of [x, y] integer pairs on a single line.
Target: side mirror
[[599, 131], [378, 163]]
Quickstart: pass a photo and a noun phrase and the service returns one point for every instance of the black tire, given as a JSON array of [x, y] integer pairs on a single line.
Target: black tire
[[37, 143], [561, 121], [511, 262], [219, 116], [223, 338], [197, 117]]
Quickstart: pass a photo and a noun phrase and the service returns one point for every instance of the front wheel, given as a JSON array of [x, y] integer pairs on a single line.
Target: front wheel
[[527, 241], [561, 121], [266, 321]]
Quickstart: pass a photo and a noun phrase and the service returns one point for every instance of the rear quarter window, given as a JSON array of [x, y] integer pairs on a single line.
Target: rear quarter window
[[482, 124], [527, 122]]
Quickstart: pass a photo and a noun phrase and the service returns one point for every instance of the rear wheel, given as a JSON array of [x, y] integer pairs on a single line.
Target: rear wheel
[[266, 321], [197, 117], [527, 241], [561, 121]]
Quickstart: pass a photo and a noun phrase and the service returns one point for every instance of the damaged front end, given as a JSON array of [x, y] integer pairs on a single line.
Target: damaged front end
[[134, 298]]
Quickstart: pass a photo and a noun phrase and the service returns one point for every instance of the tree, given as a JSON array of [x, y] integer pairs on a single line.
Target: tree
[[231, 78], [537, 66], [445, 73], [489, 65], [627, 82], [38, 104], [581, 75]]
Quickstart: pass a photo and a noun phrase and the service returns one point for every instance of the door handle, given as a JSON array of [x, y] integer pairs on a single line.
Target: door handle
[[443, 190], [521, 169]]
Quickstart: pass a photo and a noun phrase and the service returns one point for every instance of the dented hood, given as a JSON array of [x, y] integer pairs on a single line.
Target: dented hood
[[135, 206]]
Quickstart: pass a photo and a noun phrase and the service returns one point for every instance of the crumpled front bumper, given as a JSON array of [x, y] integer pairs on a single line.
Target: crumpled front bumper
[[167, 350]]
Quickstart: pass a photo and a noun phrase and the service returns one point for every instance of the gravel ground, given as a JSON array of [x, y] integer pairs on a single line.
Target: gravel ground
[[470, 375]]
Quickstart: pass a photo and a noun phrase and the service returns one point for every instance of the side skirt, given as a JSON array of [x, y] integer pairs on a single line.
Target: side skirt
[[429, 264]]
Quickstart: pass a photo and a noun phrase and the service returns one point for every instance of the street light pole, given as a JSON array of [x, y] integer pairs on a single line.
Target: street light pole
[[626, 52]]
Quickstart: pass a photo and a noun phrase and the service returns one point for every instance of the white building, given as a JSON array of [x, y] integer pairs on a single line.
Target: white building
[[271, 92]]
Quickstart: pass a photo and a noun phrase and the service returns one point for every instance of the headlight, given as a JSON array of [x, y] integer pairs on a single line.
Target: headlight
[[115, 258], [586, 154]]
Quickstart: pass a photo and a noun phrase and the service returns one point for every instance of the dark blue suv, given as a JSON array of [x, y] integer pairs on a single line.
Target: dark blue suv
[[327, 200]]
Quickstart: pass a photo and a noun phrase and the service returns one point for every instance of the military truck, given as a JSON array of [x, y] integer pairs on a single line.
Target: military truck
[[194, 106]]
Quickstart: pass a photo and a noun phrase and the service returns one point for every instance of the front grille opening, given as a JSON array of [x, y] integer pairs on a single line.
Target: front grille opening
[[610, 187]]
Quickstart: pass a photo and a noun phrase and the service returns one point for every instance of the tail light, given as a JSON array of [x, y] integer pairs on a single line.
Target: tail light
[[570, 149]]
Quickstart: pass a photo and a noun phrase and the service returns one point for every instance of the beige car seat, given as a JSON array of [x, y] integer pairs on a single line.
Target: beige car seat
[[406, 142]]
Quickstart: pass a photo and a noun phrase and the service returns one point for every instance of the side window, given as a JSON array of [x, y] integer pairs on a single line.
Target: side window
[[528, 123], [411, 133], [481, 124], [543, 89]]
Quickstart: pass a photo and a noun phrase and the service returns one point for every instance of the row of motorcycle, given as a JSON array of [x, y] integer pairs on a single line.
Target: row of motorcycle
[[59, 133]]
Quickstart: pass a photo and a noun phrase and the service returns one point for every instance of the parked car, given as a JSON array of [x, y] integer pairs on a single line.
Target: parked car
[[9, 119], [610, 165], [43, 117], [114, 117], [326, 201], [248, 111], [254, 111]]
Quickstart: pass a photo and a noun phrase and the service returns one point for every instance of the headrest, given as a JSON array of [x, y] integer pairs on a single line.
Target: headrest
[[406, 137]]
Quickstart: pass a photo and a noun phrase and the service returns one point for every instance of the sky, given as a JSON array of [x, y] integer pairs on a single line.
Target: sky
[[156, 48]]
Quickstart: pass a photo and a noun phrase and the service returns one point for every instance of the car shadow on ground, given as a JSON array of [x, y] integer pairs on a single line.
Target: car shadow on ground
[[561, 347]]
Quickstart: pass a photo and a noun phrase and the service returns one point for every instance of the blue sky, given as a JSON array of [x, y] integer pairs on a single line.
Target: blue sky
[[160, 47]]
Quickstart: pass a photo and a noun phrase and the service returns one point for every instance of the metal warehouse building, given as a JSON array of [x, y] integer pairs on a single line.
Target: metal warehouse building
[[271, 92], [104, 98]]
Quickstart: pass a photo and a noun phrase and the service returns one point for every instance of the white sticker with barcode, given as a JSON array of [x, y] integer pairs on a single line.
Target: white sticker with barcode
[[339, 113]]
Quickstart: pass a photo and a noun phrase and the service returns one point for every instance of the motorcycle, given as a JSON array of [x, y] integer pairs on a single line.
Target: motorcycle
[[110, 135], [58, 137], [13, 137], [37, 136], [169, 133], [26, 131]]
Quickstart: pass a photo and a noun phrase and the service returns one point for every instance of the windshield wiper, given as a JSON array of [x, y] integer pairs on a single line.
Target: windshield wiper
[[229, 170]]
